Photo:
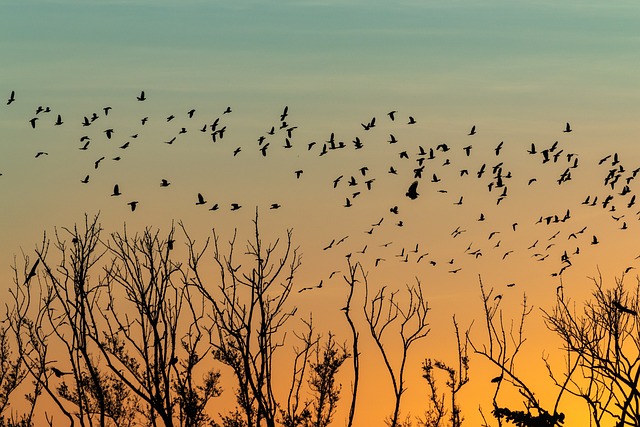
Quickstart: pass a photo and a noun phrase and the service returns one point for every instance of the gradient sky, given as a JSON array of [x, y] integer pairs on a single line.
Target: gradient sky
[[517, 70]]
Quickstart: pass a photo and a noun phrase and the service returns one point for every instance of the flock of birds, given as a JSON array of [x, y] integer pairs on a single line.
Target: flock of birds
[[417, 170]]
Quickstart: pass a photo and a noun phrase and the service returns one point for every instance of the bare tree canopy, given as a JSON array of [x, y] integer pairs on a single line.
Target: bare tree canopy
[[136, 329]]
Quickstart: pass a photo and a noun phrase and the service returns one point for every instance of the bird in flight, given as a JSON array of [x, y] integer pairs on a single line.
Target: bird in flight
[[133, 205], [412, 192], [12, 97], [473, 130], [116, 190], [32, 272], [141, 97], [201, 200], [567, 128]]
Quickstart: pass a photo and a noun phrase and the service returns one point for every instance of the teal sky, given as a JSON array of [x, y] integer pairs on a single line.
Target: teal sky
[[519, 70], [458, 54]]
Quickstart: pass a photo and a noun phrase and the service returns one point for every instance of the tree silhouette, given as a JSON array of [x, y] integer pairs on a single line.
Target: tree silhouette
[[249, 313], [384, 310], [457, 377], [501, 349], [602, 351], [351, 279], [131, 347], [251, 308], [116, 330], [12, 374]]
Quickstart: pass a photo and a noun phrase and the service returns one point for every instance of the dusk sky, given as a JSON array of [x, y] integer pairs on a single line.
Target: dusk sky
[[517, 71]]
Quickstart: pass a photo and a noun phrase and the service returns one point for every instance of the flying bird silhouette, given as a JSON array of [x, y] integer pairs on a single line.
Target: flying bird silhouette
[[412, 192], [32, 272]]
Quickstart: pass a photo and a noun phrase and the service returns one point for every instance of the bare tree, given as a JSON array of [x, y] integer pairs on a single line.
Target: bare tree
[[602, 351], [297, 412], [12, 374], [72, 300], [131, 336], [28, 319], [317, 363], [329, 357], [384, 310], [457, 377], [351, 280], [154, 342], [501, 348], [250, 310]]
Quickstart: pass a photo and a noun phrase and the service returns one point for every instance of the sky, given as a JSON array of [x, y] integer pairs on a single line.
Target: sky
[[518, 71]]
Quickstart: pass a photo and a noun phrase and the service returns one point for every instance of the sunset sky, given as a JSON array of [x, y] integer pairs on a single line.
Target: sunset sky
[[517, 71]]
